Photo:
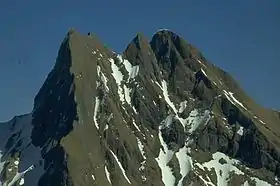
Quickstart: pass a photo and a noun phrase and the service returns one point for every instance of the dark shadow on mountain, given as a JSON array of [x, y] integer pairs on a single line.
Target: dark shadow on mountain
[[53, 117]]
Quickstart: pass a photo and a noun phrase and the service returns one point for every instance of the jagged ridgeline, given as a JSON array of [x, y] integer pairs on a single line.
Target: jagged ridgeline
[[158, 114]]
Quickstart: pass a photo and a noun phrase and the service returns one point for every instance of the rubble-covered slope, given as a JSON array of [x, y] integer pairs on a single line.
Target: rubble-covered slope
[[159, 114]]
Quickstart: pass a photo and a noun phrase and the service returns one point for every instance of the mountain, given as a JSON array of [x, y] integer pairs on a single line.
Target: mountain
[[158, 114]]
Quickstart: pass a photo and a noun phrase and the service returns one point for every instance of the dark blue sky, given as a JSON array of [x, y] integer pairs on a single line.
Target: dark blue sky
[[241, 37]]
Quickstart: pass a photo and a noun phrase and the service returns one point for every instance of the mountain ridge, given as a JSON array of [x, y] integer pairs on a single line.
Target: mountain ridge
[[152, 116]]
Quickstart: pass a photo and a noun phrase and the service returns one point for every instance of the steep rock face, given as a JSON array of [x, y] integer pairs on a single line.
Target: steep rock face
[[160, 114]]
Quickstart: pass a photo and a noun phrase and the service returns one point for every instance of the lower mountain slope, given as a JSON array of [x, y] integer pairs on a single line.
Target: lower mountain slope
[[159, 114]]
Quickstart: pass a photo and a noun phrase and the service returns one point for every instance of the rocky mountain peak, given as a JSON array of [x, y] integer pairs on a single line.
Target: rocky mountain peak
[[167, 34], [159, 114], [165, 41]]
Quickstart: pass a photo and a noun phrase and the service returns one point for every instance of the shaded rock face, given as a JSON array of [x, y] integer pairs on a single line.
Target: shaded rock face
[[55, 101], [174, 136], [53, 118], [159, 114]]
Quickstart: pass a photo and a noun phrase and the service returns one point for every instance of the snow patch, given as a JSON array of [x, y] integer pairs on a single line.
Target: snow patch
[[104, 81], [185, 163], [106, 127], [143, 178], [121, 167], [260, 182], [127, 92], [167, 122], [204, 72], [134, 110], [96, 109], [19, 176], [93, 177], [232, 99], [195, 120], [30, 155], [200, 62], [21, 182], [107, 174], [206, 182], [118, 76], [166, 96], [132, 70], [102, 77], [141, 148], [240, 131], [165, 155], [123, 90], [135, 125], [16, 162], [222, 169], [183, 106], [111, 116]]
